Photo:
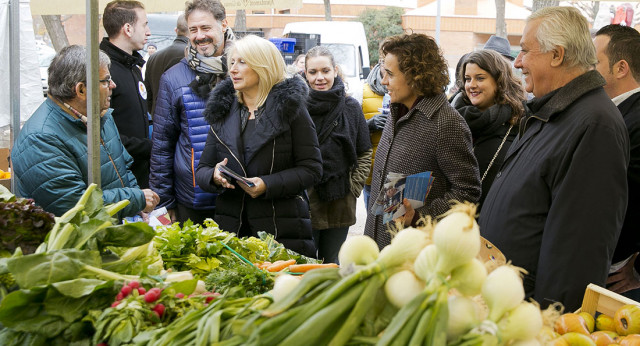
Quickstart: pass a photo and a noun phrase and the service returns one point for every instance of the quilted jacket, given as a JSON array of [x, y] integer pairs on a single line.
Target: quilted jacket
[[50, 162], [179, 134]]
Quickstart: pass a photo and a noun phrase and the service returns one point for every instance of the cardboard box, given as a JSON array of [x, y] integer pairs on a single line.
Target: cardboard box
[[602, 300], [5, 154]]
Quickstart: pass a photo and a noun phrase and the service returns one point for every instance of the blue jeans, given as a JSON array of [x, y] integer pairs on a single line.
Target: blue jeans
[[328, 242], [366, 192]]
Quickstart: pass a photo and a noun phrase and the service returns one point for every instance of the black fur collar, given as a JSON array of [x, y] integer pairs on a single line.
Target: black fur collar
[[284, 99]]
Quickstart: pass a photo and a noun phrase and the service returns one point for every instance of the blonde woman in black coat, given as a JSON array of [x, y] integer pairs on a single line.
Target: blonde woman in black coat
[[260, 129]]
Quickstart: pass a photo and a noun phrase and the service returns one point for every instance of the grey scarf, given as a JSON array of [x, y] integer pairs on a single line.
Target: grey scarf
[[209, 69], [375, 79]]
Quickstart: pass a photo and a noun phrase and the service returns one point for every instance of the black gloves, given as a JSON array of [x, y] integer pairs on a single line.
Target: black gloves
[[376, 123]]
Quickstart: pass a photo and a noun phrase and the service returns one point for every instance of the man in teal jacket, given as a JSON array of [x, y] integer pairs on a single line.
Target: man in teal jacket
[[50, 154]]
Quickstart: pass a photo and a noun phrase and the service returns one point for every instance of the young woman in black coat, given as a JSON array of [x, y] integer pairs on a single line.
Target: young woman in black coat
[[491, 104], [261, 130], [345, 145]]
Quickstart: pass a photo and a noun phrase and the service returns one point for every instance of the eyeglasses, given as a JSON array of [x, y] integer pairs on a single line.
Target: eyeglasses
[[108, 80]]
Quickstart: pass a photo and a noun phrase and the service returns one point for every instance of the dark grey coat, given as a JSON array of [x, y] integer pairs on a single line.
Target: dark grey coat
[[431, 137], [284, 154], [557, 205]]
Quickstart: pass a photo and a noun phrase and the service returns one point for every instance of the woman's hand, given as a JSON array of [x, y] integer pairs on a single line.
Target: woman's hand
[[410, 213], [258, 188], [219, 179]]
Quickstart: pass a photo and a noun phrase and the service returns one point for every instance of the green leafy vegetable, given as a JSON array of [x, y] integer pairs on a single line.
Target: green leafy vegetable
[[23, 223], [248, 280]]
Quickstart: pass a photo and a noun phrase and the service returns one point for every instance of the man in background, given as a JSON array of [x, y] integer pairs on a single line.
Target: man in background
[[162, 60], [618, 52], [125, 23], [179, 128]]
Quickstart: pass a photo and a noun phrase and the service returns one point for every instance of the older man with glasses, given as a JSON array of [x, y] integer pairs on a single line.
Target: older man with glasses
[[50, 154]]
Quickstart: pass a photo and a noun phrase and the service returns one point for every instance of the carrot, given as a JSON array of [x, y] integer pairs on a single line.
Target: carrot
[[303, 268], [264, 265], [279, 265]]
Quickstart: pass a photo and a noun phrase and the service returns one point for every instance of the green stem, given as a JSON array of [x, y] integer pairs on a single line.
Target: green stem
[[62, 237], [105, 274], [113, 209], [364, 304]]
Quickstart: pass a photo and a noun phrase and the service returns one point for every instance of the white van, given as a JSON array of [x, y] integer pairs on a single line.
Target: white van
[[348, 43]]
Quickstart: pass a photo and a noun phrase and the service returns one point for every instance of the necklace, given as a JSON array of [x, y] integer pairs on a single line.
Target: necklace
[[83, 118]]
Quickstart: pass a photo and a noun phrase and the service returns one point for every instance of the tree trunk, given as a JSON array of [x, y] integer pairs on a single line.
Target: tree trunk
[[56, 31], [538, 4], [241, 21], [501, 24], [327, 10]]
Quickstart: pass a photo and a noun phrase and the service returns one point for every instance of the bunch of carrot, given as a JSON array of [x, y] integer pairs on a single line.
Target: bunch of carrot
[[292, 267]]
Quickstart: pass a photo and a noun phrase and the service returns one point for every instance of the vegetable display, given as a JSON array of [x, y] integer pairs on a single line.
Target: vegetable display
[[92, 282]]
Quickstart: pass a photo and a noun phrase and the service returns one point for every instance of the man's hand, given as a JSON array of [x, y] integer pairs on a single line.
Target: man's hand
[[172, 215], [624, 279], [258, 188], [151, 198], [377, 122]]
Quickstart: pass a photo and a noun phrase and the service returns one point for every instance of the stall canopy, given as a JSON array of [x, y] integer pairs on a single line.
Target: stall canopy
[[46, 7], [30, 82]]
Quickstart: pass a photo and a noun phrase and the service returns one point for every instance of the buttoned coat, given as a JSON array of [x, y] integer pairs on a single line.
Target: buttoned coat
[[557, 205], [432, 136]]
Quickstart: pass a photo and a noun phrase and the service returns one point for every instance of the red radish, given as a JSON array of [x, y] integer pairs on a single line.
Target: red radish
[[141, 291], [114, 304], [119, 297], [126, 290], [152, 295], [134, 284], [159, 309], [179, 295]]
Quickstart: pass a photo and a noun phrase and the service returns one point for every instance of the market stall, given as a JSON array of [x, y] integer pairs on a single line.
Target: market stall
[[88, 281]]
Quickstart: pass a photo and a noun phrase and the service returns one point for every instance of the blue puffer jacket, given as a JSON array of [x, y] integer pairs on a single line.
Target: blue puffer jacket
[[50, 160], [179, 136]]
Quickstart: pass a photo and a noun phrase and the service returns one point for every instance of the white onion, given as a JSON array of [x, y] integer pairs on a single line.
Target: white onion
[[401, 287], [502, 291], [457, 237], [283, 286], [524, 322], [469, 277], [358, 250], [425, 264], [464, 314]]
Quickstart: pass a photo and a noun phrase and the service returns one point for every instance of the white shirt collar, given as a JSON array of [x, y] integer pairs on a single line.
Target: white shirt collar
[[622, 97]]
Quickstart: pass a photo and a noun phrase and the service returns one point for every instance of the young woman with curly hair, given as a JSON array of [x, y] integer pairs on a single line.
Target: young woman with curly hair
[[491, 104], [423, 133]]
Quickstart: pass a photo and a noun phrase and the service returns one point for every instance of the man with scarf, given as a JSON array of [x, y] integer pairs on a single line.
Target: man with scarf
[[125, 23], [179, 129]]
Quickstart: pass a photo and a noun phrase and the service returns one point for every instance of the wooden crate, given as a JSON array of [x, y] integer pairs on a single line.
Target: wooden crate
[[603, 301]]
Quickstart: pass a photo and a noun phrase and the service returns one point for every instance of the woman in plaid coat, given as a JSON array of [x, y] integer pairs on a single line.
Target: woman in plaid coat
[[424, 133]]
